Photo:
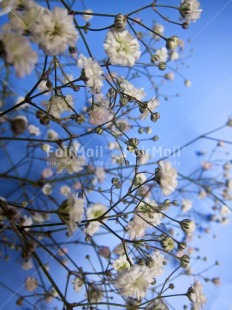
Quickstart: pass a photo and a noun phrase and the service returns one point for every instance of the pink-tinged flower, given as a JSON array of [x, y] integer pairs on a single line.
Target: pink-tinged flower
[[166, 177], [99, 115]]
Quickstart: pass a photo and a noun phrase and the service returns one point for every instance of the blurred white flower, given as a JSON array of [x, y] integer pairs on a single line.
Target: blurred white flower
[[87, 16], [34, 130], [163, 54], [122, 263], [31, 284], [93, 212], [166, 177], [17, 52], [57, 105], [186, 205], [54, 31], [71, 212]]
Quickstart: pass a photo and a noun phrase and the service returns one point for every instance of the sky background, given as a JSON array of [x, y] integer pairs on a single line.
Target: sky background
[[204, 106]]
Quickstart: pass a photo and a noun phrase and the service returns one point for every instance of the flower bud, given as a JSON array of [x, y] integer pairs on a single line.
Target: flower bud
[[19, 124], [167, 243], [182, 246], [155, 116], [155, 138], [187, 226], [72, 49], [184, 261], [229, 122], [162, 66], [116, 182], [154, 58], [120, 22], [99, 130], [172, 42]]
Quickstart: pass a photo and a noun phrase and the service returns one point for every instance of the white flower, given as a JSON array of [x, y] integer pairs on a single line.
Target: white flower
[[186, 205], [55, 31], [130, 90], [121, 126], [140, 178], [23, 106], [95, 211], [151, 106], [18, 52], [94, 293], [136, 228], [47, 189], [34, 130], [92, 71], [27, 264], [163, 54], [31, 284], [196, 295], [23, 21], [77, 283], [52, 135], [134, 282], [65, 190], [122, 48], [174, 55], [142, 157], [121, 263], [71, 212], [99, 175], [87, 16], [166, 177], [27, 221], [99, 115], [57, 105], [6, 6], [62, 160], [190, 10], [225, 211], [67, 78], [156, 264], [43, 86], [159, 29], [149, 212]]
